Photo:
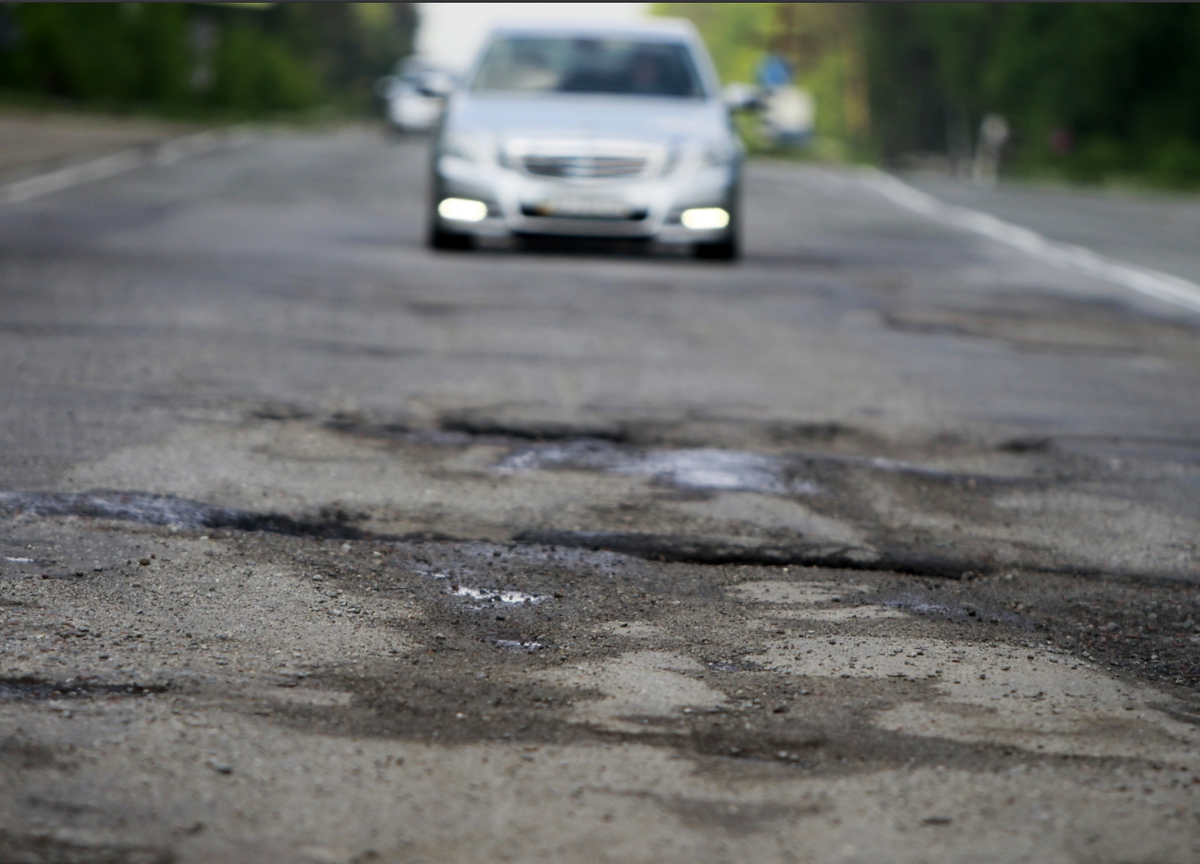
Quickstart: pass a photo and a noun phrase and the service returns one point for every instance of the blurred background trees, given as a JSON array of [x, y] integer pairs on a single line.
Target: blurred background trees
[[821, 41], [1091, 91], [187, 59]]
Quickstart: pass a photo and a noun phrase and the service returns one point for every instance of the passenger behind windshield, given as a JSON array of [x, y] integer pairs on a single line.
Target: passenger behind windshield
[[557, 65]]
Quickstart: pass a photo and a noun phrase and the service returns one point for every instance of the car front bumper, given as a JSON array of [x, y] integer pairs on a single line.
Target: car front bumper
[[642, 208]]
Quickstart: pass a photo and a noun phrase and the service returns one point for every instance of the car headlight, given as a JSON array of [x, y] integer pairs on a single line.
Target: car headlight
[[705, 218], [462, 209]]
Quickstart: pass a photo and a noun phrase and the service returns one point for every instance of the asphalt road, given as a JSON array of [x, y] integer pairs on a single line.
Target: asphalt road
[[1155, 231], [878, 545]]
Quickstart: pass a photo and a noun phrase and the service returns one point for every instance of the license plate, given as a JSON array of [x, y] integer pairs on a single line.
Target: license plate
[[584, 207]]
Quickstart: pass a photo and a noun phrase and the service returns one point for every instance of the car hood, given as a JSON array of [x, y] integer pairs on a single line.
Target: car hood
[[657, 120]]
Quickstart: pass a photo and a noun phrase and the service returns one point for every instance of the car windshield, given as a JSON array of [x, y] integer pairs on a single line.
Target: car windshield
[[566, 65]]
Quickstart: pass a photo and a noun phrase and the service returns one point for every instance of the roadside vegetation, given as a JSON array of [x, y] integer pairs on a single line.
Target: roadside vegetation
[[1101, 93], [204, 61]]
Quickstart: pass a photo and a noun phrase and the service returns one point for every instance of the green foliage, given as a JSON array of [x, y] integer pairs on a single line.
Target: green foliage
[[347, 45], [98, 52], [202, 58], [820, 40], [1092, 91], [256, 73], [907, 104], [737, 34], [1175, 163], [1119, 81]]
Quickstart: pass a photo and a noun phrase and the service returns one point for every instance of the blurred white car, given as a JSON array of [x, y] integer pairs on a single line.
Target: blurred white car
[[409, 105], [619, 133]]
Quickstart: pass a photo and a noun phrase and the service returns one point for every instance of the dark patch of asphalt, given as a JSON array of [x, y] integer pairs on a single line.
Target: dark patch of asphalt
[[337, 523], [41, 848], [472, 615]]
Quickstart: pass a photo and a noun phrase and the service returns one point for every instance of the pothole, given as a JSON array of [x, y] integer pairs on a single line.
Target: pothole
[[526, 646], [36, 689], [489, 597], [531, 430], [168, 510], [702, 468]]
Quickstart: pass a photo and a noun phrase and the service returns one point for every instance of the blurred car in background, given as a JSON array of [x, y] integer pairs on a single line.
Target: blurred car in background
[[616, 133], [412, 101]]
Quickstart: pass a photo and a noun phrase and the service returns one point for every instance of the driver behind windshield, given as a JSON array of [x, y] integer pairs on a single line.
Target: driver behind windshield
[[588, 66]]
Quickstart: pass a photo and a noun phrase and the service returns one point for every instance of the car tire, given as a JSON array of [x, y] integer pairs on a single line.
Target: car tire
[[729, 249], [726, 250], [449, 240]]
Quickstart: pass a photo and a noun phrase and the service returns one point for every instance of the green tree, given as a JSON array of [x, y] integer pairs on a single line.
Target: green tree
[[245, 60], [821, 40], [736, 34], [1091, 90], [256, 73]]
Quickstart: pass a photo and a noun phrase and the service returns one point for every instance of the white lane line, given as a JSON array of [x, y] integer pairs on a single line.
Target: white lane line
[[1152, 283], [165, 153]]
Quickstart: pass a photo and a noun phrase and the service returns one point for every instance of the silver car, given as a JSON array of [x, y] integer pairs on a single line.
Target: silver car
[[409, 108], [615, 133]]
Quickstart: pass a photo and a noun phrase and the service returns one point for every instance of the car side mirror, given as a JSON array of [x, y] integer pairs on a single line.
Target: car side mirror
[[741, 97], [436, 85]]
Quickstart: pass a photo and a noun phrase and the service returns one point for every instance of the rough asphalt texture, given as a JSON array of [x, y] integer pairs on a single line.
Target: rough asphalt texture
[[315, 546], [33, 143]]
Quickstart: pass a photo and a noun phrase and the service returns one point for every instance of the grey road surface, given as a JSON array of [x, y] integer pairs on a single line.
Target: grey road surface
[[1150, 230], [315, 545]]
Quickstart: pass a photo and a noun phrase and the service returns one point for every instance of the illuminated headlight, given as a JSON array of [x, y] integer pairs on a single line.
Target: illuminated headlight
[[463, 209], [704, 218]]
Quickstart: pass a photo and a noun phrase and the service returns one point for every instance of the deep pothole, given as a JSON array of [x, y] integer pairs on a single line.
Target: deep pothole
[[28, 688]]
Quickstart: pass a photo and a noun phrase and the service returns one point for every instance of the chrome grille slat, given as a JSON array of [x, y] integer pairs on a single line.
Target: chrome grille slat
[[590, 167]]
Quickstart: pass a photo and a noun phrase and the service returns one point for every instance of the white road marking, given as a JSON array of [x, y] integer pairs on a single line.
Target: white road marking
[[102, 167], [1152, 283]]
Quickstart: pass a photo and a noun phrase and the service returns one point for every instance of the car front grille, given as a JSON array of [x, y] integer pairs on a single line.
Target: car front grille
[[590, 167]]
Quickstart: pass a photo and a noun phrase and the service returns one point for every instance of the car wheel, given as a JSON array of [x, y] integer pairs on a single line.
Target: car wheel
[[726, 250], [448, 240]]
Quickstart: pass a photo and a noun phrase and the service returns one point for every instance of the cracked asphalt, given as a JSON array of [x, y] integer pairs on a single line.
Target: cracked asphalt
[[879, 545]]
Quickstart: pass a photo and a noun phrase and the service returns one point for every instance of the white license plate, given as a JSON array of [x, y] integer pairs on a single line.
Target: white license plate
[[584, 206]]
